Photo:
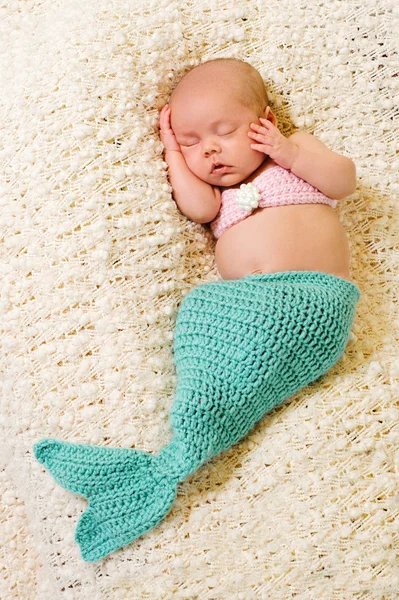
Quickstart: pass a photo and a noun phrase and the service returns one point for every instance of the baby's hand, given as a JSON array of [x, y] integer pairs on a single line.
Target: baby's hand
[[272, 142], [166, 133]]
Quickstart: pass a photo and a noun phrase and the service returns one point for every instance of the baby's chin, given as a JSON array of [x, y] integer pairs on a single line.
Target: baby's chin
[[227, 179]]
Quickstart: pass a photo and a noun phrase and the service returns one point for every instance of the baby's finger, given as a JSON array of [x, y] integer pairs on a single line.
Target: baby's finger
[[164, 110], [167, 112], [164, 120], [261, 148], [258, 136], [259, 128], [266, 123]]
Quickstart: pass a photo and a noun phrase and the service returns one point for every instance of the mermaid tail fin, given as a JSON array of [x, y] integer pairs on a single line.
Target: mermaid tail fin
[[129, 491]]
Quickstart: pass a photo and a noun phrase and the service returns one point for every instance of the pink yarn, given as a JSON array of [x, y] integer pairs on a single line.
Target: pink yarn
[[277, 187]]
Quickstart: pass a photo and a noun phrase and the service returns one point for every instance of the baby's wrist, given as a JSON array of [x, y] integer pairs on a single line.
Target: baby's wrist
[[295, 151], [170, 151]]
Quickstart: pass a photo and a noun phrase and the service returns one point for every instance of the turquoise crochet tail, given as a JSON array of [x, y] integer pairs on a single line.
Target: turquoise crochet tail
[[129, 491], [241, 347]]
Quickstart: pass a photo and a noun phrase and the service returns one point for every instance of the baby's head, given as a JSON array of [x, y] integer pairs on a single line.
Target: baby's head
[[212, 108]]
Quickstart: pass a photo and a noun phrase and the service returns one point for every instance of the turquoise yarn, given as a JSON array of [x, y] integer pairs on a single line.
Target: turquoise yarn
[[241, 347]]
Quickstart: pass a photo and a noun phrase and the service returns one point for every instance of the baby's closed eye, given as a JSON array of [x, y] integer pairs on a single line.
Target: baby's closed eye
[[220, 134]]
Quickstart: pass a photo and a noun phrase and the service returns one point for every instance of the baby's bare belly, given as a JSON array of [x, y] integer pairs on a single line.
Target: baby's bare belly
[[306, 237]]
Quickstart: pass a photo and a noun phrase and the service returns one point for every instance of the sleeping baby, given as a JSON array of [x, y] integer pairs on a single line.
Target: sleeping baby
[[269, 199], [279, 318]]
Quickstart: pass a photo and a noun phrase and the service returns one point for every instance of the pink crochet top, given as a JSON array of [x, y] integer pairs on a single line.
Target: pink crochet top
[[273, 187]]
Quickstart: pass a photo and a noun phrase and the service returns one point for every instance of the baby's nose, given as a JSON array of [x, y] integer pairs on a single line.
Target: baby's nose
[[211, 148]]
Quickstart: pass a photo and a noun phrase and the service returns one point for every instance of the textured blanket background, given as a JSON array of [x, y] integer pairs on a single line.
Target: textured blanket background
[[95, 261]]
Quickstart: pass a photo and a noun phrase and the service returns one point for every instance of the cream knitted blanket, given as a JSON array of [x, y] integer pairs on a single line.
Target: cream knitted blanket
[[95, 261]]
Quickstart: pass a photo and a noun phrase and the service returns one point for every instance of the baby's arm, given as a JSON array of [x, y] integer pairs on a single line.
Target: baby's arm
[[196, 199], [307, 157], [330, 172]]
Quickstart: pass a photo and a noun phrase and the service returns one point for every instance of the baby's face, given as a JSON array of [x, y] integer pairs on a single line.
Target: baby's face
[[213, 127]]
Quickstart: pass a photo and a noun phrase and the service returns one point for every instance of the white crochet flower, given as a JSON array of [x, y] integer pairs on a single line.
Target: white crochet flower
[[248, 196]]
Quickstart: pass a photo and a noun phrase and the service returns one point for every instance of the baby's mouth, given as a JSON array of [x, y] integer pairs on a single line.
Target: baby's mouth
[[219, 168]]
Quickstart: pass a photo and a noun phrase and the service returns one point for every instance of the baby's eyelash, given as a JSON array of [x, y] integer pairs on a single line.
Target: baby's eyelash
[[221, 135]]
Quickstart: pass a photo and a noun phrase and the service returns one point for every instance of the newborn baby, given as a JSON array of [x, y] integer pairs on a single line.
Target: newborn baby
[[219, 132], [242, 346]]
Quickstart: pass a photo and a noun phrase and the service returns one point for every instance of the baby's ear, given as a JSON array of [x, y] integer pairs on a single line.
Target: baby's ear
[[270, 116]]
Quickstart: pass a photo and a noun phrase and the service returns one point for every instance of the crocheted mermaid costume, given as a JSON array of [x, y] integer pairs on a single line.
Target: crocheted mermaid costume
[[241, 347]]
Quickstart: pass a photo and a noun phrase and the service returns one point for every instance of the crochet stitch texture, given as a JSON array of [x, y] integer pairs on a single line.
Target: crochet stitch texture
[[241, 348], [274, 187], [96, 257]]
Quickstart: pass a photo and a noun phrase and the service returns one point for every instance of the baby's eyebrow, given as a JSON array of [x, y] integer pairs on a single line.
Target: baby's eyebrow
[[217, 122]]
